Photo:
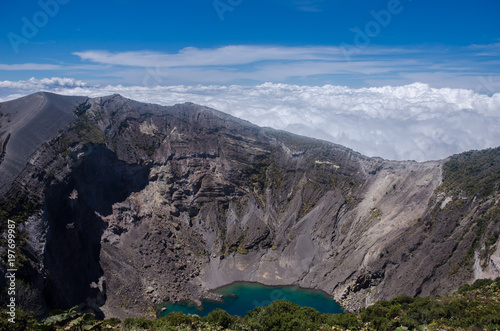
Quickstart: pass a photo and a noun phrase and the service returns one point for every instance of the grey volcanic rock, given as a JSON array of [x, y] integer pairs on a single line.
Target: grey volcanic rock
[[141, 204], [27, 123]]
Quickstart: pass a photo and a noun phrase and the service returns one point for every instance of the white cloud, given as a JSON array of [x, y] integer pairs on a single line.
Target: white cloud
[[30, 66], [459, 67], [222, 56], [396, 122], [34, 84]]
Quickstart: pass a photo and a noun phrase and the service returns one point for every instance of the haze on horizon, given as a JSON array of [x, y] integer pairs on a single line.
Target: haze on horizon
[[400, 79]]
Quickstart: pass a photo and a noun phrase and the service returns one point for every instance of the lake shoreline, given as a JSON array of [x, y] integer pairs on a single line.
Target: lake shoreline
[[240, 297]]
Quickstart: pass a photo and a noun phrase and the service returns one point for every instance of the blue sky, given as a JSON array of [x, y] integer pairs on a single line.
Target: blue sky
[[311, 42], [401, 79]]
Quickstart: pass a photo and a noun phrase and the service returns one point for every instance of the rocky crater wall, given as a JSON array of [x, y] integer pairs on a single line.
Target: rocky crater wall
[[140, 204]]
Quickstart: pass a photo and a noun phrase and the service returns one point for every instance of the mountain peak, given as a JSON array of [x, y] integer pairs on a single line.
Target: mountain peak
[[159, 203]]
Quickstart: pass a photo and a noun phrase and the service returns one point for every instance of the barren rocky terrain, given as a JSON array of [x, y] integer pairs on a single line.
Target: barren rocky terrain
[[125, 205]]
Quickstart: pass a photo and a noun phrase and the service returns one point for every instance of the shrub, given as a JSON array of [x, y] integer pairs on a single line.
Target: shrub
[[426, 310], [480, 283], [220, 317], [111, 322], [402, 300], [23, 321], [282, 315], [134, 323], [345, 321]]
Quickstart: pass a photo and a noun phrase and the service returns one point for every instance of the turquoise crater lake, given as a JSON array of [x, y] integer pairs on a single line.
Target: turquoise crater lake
[[241, 297]]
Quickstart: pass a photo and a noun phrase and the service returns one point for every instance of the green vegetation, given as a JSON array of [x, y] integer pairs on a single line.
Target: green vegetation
[[474, 173], [62, 145], [18, 210], [81, 109], [23, 321], [298, 142], [472, 307], [376, 213], [263, 174], [69, 319], [487, 220], [346, 184], [124, 125], [305, 208], [283, 315], [149, 149], [472, 180], [257, 177], [88, 131]]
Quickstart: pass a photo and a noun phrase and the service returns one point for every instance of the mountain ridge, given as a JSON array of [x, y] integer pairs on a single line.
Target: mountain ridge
[[165, 203]]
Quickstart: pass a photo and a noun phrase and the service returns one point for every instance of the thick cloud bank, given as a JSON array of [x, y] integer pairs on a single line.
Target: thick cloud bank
[[411, 122]]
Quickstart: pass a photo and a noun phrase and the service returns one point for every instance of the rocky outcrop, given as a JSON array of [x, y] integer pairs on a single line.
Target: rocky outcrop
[[141, 204], [27, 123]]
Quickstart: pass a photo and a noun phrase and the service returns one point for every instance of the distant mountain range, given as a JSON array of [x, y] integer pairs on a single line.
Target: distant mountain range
[[122, 205]]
